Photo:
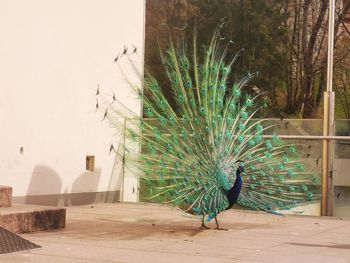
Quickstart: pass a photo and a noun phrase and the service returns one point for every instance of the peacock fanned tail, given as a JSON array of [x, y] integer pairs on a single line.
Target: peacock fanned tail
[[189, 151]]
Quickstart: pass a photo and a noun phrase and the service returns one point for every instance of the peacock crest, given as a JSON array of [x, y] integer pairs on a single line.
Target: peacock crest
[[191, 151]]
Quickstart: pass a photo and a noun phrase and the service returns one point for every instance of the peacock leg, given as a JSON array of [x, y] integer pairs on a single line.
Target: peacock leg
[[203, 226], [217, 225]]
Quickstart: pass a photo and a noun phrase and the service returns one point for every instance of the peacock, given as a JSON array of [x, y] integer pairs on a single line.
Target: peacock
[[206, 152]]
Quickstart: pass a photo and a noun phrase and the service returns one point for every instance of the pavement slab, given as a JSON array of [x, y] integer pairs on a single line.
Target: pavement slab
[[130, 232]]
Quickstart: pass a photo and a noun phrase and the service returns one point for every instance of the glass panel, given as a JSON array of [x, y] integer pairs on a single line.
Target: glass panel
[[341, 169], [341, 86], [301, 127]]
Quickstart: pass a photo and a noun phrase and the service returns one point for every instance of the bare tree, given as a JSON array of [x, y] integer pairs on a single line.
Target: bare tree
[[306, 74]]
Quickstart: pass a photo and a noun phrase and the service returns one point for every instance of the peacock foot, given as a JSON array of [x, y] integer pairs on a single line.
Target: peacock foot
[[203, 226], [217, 225], [220, 228]]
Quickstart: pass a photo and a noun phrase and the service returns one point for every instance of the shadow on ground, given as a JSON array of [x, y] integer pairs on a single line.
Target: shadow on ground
[[147, 228], [341, 246]]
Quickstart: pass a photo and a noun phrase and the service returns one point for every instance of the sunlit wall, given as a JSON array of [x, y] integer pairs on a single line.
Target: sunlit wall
[[53, 56]]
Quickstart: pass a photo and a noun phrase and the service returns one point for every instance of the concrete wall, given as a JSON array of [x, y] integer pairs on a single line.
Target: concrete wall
[[53, 54]]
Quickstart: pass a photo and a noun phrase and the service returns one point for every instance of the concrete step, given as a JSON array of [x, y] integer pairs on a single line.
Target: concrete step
[[31, 218], [5, 196]]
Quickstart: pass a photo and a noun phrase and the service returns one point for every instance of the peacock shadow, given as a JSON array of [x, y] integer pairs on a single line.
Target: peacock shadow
[[135, 229]]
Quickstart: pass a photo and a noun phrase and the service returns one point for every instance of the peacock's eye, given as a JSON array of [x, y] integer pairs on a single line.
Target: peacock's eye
[[244, 115]]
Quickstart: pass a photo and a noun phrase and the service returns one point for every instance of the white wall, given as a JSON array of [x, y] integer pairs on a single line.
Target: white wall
[[53, 53]]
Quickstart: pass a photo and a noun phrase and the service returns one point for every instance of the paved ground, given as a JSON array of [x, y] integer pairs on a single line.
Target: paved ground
[[151, 233]]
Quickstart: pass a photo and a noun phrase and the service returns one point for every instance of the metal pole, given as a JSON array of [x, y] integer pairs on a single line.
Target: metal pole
[[328, 120], [123, 162], [331, 19], [142, 91], [325, 150]]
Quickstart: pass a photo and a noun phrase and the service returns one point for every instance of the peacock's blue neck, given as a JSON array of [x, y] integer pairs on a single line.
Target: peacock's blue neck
[[233, 193], [238, 182]]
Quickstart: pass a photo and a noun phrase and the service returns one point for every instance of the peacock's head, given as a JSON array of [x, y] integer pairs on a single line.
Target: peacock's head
[[241, 167]]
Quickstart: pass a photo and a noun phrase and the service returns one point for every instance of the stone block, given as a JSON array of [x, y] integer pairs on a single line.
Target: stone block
[[31, 218]]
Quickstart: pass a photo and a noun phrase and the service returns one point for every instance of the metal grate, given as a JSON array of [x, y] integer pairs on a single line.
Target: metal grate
[[10, 242]]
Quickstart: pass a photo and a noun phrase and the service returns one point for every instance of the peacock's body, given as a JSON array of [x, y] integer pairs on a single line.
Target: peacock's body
[[192, 154]]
